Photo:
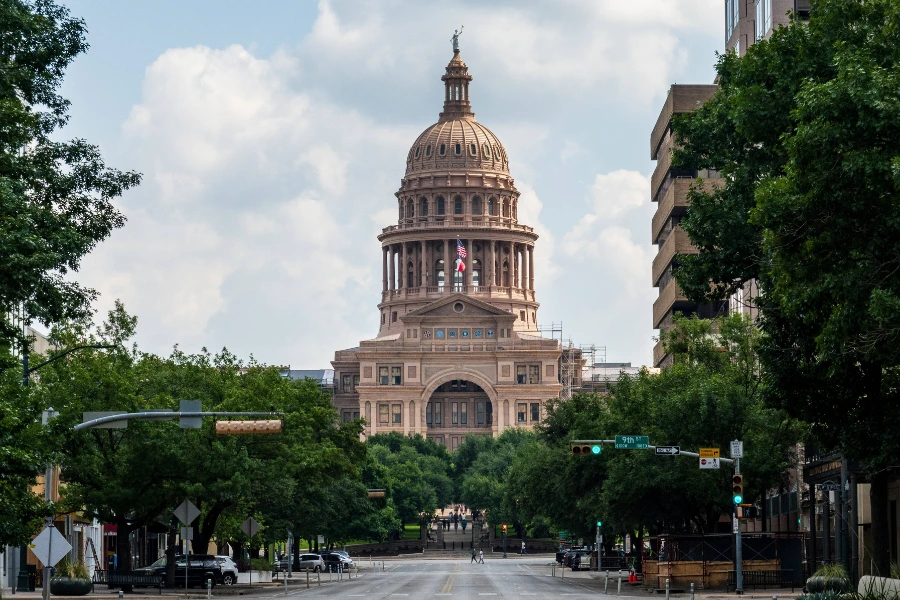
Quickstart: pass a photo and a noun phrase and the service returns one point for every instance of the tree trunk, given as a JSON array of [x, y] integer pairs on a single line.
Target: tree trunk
[[170, 557], [123, 543], [881, 549], [205, 530]]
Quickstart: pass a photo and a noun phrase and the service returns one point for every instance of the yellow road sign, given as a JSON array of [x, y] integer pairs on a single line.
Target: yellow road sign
[[709, 453]]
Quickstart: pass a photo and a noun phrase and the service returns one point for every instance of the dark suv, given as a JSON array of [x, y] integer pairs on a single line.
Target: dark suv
[[201, 568]]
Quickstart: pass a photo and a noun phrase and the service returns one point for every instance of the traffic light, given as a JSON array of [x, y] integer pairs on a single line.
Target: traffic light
[[599, 523], [582, 449], [747, 511], [737, 488], [376, 493], [503, 528], [248, 427]]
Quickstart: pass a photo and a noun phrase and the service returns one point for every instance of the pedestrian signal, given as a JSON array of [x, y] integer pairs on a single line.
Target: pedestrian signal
[[582, 449], [737, 488], [503, 527], [248, 427]]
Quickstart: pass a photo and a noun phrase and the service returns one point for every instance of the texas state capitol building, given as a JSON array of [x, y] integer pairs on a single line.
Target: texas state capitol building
[[456, 352]]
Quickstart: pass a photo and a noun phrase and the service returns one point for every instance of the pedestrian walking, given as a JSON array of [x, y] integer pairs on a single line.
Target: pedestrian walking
[[473, 557], [523, 546], [481, 556], [464, 524]]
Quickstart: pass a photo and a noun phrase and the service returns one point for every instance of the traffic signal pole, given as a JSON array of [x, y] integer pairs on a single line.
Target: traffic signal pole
[[738, 553]]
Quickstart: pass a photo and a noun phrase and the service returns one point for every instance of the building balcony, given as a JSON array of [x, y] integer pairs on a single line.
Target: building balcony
[[681, 99], [674, 201], [429, 293], [663, 165], [677, 242], [671, 299], [434, 222]]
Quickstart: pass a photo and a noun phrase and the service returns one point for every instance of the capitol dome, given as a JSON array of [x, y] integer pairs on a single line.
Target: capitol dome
[[456, 141]]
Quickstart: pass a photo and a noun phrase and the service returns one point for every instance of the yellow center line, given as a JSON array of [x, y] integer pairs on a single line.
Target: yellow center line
[[448, 585]]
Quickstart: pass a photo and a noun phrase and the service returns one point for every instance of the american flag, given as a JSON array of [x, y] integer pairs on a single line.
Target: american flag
[[461, 253]]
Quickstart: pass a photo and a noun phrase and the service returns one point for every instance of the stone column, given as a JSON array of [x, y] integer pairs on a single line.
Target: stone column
[[448, 266], [423, 264], [392, 276], [489, 266], [512, 264], [404, 277], [531, 268], [526, 267], [427, 265], [384, 266], [470, 248]]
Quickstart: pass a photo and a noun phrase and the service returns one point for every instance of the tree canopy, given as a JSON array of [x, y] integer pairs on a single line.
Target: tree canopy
[[804, 130]]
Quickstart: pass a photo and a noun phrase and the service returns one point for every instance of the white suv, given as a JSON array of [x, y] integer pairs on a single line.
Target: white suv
[[229, 569]]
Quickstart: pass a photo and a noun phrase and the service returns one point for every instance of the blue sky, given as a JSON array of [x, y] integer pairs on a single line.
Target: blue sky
[[272, 137]]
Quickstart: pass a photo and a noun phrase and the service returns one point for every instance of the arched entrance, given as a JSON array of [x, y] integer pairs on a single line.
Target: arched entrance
[[455, 409]]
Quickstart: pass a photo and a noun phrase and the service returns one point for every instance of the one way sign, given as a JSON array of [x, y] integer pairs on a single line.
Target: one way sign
[[668, 450]]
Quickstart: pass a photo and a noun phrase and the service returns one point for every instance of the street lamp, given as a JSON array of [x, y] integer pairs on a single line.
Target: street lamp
[[22, 583]]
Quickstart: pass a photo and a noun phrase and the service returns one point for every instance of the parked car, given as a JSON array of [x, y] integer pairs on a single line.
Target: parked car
[[581, 561], [336, 560], [229, 569], [200, 569], [311, 562], [571, 555]]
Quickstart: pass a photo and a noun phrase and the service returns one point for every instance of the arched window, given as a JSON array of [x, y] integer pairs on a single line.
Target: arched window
[[473, 149], [410, 275], [476, 272], [409, 209], [458, 205], [458, 149], [423, 207], [443, 149], [476, 205], [515, 209], [440, 205], [492, 207], [505, 282], [504, 208], [439, 269], [428, 151]]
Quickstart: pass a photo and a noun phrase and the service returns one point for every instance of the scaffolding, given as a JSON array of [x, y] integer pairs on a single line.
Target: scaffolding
[[572, 359]]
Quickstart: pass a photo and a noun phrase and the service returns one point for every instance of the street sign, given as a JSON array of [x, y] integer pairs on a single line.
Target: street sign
[[187, 533], [632, 442], [709, 463], [190, 422], [709, 453], [828, 487], [250, 527], [668, 450], [735, 525], [187, 512], [50, 546], [737, 449]]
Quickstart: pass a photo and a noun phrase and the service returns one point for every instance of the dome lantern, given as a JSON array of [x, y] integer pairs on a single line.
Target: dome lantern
[[456, 90]]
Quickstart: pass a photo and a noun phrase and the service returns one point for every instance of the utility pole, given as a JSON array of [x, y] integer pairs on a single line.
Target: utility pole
[[738, 554]]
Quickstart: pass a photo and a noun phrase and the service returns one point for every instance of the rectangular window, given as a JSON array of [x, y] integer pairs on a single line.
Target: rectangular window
[[346, 416], [383, 413], [356, 414], [437, 414], [479, 413], [534, 374], [489, 413], [346, 383], [383, 377], [454, 413], [397, 413], [394, 317], [429, 414], [768, 11], [396, 375], [463, 413], [521, 374], [521, 412], [355, 382], [759, 20], [535, 412]]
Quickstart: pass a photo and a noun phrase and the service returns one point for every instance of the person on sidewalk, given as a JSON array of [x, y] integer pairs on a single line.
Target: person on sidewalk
[[523, 546], [481, 556], [473, 556]]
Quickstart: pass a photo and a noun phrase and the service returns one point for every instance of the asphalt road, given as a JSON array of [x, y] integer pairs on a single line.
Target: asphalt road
[[455, 579]]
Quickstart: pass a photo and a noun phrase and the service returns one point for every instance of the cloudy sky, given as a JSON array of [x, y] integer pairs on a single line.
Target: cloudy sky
[[272, 137]]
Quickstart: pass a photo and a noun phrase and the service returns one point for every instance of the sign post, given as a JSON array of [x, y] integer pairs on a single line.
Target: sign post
[[737, 452], [186, 513], [250, 527]]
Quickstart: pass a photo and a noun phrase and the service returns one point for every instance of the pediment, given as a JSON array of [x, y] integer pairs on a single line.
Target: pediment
[[457, 305]]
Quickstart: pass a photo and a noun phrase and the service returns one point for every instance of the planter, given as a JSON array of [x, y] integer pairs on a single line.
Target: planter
[[258, 577], [824, 584], [66, 586]]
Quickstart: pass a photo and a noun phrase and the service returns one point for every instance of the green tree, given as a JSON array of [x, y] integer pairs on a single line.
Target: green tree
[[55, 197], [818, 228]]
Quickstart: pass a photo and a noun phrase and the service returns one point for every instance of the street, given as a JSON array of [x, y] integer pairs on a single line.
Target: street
[[457, 578]]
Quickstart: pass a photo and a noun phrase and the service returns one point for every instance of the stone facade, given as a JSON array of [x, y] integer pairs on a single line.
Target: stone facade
[[457, 349]]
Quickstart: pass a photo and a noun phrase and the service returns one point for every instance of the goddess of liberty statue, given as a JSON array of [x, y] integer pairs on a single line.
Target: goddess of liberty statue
[[455, 38]]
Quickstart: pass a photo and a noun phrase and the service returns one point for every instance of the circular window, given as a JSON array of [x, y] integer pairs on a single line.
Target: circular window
[[459, 307]]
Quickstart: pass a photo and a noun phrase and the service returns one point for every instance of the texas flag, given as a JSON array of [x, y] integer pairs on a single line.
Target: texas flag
[[461, 254]]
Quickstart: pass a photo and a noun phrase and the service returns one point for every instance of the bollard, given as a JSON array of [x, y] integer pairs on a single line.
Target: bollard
[[692, 591], [209, 588], [667, 589], [307, 578], [121, 594], [318, 578], [341, 574], [619, 587], [285, 587], [606, 584]]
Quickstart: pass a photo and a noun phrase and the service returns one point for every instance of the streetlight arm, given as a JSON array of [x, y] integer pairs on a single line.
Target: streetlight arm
[[29, 370]]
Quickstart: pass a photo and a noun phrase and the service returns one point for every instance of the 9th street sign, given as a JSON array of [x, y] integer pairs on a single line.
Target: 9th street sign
[[632, 442]]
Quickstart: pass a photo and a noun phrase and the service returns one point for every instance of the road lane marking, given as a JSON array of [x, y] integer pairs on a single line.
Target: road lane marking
[[448, 585], [488, 594]]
